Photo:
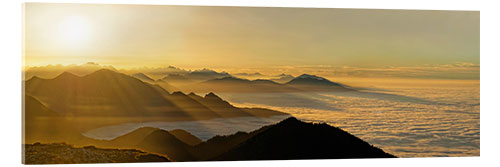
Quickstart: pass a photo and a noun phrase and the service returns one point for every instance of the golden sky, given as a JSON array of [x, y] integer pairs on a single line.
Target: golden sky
[[242, 37]]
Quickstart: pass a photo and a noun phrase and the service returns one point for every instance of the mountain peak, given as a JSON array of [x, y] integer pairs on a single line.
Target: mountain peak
[[311, 77], [66, 75], [104, 70], [178, 93], [33, 78], [307, 79], [302, 140], [140, 74], [211, 95]]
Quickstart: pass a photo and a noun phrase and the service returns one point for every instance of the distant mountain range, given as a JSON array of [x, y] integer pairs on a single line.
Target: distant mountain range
[[176, 79], [106, 93], [302, 83], [160, 82], [51, 71]]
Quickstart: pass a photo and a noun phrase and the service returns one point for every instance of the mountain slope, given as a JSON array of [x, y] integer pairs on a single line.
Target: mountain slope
[[185, 137], [106, 93], [316, 83], [288, 139], [66, 154], [143, 77], [162, 142], [293, 139], [44, 125], [102, 93]]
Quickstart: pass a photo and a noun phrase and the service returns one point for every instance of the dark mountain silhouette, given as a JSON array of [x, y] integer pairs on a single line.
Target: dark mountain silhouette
[[162, 142], [306, 79], [289, 139], [316, 83], [224, 109], [185, 137], [60, 153], [217, 145], [196, 108], [293, 139], [143, 77], [130, 139]]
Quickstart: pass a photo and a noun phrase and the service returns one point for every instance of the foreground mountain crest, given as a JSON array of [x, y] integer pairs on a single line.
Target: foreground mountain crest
[[288, 139]]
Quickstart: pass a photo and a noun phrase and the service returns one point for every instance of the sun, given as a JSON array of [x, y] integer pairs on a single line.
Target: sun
[[74, 30]]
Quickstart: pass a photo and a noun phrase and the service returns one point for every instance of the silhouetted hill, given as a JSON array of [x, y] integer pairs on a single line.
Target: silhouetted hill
[[316, 83], [185, 137], [224, 109], [289, 139], [61, 153], [294, 139], [306, 79], [196, 108], [162, 142], [217, 145], [131, 138]]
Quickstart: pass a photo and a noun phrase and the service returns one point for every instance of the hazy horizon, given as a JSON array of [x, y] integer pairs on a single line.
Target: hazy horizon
[[248, 38]]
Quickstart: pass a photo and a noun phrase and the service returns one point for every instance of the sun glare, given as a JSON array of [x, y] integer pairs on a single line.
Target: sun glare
[[74, 30]]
